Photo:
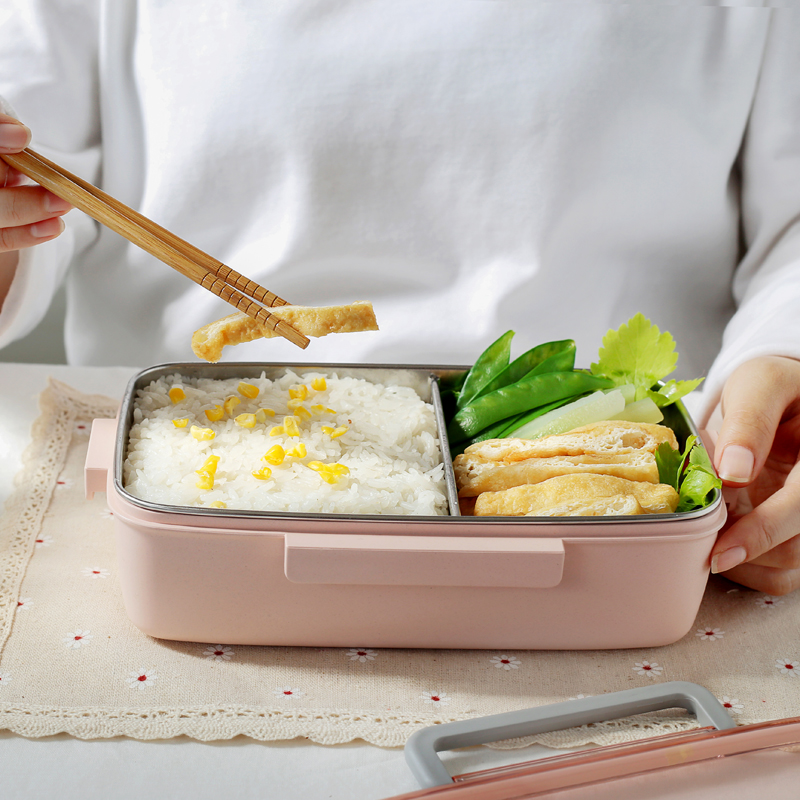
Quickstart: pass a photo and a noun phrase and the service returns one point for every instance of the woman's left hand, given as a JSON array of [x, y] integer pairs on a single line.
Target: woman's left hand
[[757, 451]]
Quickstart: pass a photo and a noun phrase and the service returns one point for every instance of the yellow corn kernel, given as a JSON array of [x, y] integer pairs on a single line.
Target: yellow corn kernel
[[290, 426], [176, 394], [293, 404], [262, 474], [202, 434], [210, 466], [330, 473], [181, 423], [231, 403], [248, 390], [328, 476], [215, 414], [263, 413], [318, 409], [302, 412], [275, 455], [206, 473], [319, 384], [277, 430], [205, 483], [299, 451], [246, 420], [334, 433], [299, 392], [217, 504]]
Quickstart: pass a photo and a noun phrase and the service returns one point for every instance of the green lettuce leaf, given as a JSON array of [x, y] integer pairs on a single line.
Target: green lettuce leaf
[[673, 390], [698, 456], [669, 463], [640, 354], [696, 489], [690, 472]]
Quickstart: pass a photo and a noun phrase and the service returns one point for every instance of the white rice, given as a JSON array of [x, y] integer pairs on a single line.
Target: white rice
[[390, 448]]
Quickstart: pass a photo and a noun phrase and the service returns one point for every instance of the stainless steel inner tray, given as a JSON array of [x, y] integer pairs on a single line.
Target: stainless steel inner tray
[[425, 380]]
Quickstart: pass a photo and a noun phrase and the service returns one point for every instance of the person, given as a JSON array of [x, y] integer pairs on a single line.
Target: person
[[468, 167]]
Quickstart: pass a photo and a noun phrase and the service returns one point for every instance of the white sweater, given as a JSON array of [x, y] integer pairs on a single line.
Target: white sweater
[[470, 167]]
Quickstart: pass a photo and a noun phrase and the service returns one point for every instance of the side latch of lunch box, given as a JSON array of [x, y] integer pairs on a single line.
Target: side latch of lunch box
[[424, 560], [100, 455]]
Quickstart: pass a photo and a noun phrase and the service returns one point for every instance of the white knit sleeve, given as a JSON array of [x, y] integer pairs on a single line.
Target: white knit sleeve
[[766, 286], [48, 80]]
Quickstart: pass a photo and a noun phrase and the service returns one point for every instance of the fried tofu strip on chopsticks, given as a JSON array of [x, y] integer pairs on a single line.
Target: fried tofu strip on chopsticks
[[207, 343]]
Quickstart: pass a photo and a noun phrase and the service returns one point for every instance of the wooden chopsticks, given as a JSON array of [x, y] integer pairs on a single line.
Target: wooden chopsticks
[[190, 261]]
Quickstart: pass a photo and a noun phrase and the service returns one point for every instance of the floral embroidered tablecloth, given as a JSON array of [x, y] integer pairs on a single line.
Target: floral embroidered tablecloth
[[70, 661]]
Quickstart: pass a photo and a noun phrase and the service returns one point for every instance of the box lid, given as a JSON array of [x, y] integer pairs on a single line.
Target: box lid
[[717, 759]]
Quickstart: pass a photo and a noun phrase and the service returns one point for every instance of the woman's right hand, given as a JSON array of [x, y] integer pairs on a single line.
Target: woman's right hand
[[29, 215]]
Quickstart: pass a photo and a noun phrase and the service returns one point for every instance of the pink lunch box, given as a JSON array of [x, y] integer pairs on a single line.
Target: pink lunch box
[[335, 580]]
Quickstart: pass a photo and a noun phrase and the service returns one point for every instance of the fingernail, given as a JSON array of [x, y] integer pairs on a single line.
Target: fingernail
[[13, 137], [736, 464], [54, 204], [728, 559], [47, 229]]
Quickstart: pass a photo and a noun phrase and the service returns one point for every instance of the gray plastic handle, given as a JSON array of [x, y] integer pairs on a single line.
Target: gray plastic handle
[[422, 747]]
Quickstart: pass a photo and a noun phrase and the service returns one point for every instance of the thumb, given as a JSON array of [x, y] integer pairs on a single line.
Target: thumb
[[753, 402], [14, 136]]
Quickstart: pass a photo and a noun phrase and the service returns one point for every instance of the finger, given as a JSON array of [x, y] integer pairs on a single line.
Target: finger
[[23, 236], [10, 177], [771, 523], [753, 403], [24, 205], [14, 136], [784, 556], [769, 580]]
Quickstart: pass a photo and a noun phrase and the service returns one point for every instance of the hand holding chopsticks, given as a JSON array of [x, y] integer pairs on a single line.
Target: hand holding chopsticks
[[242, 293]]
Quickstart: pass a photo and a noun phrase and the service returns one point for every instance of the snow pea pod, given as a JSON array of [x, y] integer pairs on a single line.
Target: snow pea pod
[[525, 394], [493, 360], [548, 357]]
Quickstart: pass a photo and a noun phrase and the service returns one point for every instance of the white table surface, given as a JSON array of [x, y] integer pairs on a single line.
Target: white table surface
[[125, 769]]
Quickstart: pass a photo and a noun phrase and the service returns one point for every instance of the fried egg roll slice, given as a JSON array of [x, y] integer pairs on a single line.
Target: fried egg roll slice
[[587, 495]]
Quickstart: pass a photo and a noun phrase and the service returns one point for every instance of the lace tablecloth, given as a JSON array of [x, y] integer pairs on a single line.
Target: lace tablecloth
[[70, 661]]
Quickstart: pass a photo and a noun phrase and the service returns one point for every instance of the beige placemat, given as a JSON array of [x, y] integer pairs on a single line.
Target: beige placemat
[[70, 661]]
